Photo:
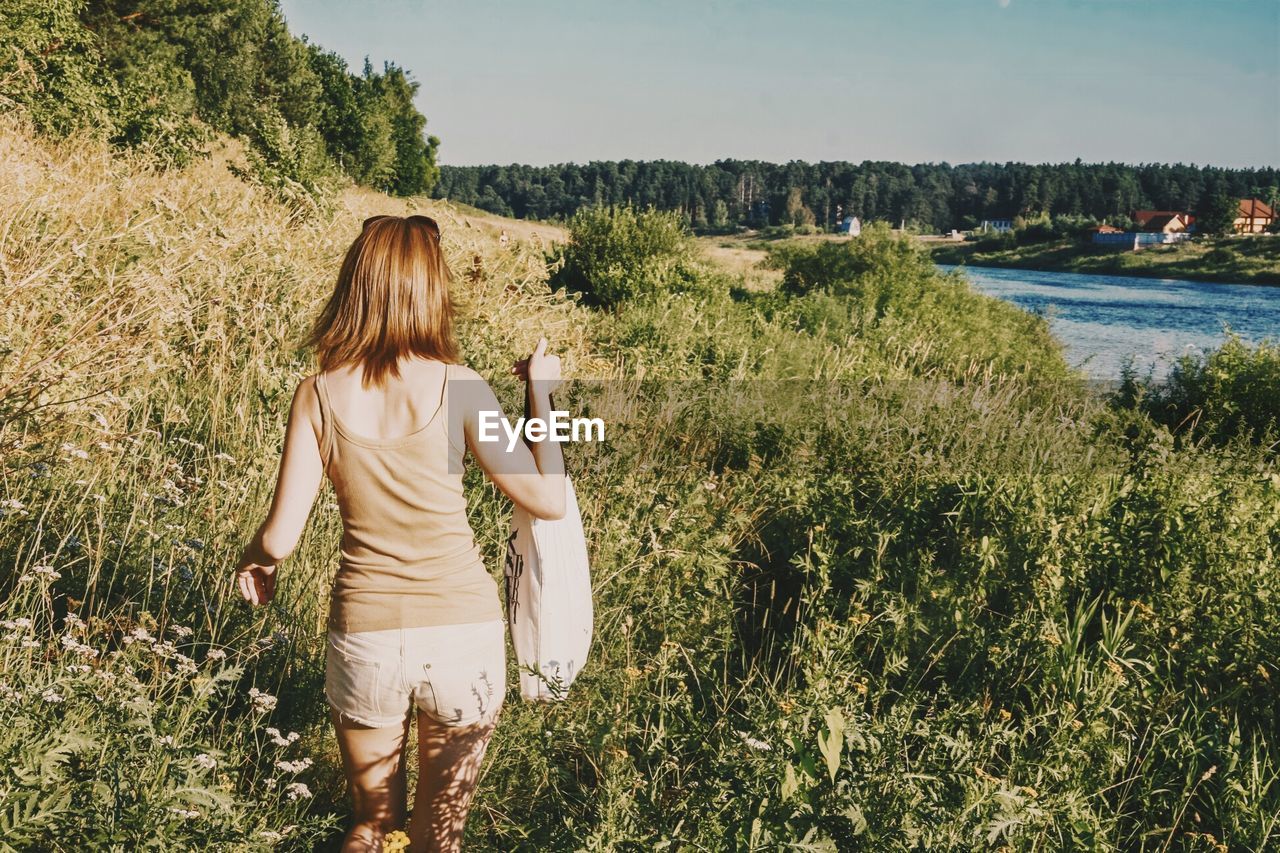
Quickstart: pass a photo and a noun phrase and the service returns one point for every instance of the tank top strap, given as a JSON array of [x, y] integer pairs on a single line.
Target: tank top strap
[[326, 420]]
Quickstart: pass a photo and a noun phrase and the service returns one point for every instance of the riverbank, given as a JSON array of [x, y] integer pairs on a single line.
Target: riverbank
[[1247, 260]]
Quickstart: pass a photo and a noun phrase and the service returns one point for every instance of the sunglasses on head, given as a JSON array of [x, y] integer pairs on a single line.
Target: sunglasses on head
[[417, 217]]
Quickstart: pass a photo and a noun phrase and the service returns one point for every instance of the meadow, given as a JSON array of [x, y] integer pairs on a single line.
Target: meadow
[[872, 568], [1239, 260]]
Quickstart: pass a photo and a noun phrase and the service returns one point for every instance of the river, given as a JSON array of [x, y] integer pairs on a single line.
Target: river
[[1104, 319]]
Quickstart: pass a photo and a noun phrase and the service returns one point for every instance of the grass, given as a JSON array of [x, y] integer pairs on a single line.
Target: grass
[[1240, 260], [872, 570]]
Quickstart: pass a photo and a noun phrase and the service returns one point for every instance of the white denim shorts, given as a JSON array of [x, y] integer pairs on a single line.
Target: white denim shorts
[[456, 674]]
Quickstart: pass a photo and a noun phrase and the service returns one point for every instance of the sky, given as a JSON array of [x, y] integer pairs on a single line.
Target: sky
[[914, 81]]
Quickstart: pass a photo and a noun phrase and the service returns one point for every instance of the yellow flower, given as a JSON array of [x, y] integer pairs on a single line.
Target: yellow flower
[[395, 842]]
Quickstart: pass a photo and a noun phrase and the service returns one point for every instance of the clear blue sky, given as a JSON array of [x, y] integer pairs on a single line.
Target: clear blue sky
[[549, 81]]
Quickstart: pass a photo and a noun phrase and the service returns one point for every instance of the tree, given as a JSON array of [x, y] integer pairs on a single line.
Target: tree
[[1217, 214]]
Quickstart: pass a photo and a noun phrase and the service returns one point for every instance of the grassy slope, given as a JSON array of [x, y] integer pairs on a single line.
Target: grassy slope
[[904, 552], [1240, 260]]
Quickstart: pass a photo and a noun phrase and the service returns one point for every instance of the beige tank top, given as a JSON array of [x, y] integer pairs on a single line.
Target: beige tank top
[[409, 558]]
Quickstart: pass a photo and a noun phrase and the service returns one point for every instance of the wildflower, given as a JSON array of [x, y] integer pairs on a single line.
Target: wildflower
[[262, 702], [78, 668], [71, 644], [139, 635], [206, 761], [46, 570], [165, 740], [216, 654], [223, 457], [71, 621], [395, 842], [270, 784], [185, 664], [30, 644], [73, 451], [297, 791], [52, 696], [272, 835], [755, 743], [8, 694], [293, 766], [188, 814], [282, 740], [21, 623], [181, 631]]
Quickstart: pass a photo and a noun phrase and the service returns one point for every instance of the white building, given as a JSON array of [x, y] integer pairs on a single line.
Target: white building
[[849, 225]]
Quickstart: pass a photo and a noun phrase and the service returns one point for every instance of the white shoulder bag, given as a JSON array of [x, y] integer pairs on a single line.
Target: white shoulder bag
[[549, 609]]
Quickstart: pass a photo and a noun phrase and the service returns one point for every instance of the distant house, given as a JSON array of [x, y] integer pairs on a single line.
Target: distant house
[[1163, 221], [1104, 228], [999, 226], [850, 225], [1254, 217]]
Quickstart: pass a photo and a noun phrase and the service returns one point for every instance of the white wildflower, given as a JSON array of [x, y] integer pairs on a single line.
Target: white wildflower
[[46, 570], [294, 766], [206, 761], [52, 696], [181, 631], [71, 621], [165, 740], [216, 654], [31, 644], [189, 814], [78, 668], [71, 644], [72, 450], [755, 743], [270, 835], [297, 791], [21, 623], [262, 702], [223, 457], [8, 694], [282, 740]]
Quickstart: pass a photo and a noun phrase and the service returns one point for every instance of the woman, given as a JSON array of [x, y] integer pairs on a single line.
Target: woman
[[415, 620]]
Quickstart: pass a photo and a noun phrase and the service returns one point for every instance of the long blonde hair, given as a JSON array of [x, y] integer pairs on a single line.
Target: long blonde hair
[[391, 300]]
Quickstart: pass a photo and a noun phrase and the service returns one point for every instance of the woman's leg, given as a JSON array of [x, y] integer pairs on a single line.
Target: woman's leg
[[374, 763], [449, 759]]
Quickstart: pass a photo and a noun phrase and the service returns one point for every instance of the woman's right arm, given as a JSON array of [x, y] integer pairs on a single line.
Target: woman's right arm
[[533, 479]]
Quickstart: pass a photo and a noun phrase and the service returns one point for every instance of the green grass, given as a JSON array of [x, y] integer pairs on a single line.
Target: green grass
[[1241, 260], [872, 569]]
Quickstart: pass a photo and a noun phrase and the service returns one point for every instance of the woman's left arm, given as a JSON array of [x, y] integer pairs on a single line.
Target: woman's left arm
[[297, 484]]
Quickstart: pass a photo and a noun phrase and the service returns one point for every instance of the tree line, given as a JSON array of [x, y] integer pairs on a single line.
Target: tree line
[[733, 193], [163, 76]]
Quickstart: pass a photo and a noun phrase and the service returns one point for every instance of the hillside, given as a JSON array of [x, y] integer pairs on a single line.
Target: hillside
[[871, 568]]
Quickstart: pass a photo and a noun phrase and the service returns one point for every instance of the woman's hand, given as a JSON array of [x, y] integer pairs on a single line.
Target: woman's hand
[[257, 583], [539, 369]]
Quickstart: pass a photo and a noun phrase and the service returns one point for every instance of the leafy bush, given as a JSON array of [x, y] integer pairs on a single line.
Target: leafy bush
[[618, 254], [1230, 392]]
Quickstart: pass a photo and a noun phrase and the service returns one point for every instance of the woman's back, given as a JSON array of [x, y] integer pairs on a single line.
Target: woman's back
[[409, 557]]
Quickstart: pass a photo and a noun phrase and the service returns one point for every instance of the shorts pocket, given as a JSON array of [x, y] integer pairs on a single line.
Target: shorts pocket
[[355, 686], [466, 685]]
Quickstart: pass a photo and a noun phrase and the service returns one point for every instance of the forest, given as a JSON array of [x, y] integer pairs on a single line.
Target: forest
[[931, 197], [165, 78]]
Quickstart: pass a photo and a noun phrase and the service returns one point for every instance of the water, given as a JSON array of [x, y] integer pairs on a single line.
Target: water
[[1102, 320]]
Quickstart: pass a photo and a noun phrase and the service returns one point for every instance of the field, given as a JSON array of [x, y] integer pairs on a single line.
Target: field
[[1240, 260], [872, 569]]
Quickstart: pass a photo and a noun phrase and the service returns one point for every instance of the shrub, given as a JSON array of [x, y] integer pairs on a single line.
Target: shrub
[[1233, 391], [618, 254]]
